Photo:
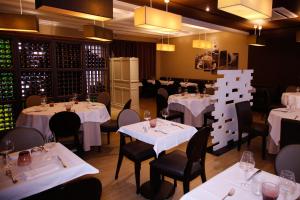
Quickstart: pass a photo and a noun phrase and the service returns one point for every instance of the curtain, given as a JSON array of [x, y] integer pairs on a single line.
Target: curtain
[[144, 51]]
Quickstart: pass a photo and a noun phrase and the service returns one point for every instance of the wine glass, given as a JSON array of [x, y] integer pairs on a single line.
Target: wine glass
[[165, 113], [270, 191], [6, 147], [287, 182], [297, 89], [247, 163], [43, 100], [147, 115], [179, 90], [88, 98]]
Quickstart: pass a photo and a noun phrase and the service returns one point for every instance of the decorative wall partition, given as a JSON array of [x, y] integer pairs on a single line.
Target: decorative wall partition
[[234, 87]]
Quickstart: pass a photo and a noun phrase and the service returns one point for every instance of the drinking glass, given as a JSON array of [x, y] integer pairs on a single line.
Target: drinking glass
[[165, 113], [204, 91], [147, 115], [297, 89], [247, 164], [88, 98], [287, 182], [179, 90], [6, 147], [43, 100], [270, 191]]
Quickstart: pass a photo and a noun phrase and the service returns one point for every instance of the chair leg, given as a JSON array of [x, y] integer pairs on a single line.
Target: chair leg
[[120, 159], [239, 141], [249, 139], [186, 186], [175, 183], [264, 144], [108, 137], [203, 175], [137, 166]]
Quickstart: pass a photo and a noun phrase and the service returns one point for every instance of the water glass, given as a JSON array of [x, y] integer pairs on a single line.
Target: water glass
[[179, 90], [256, 184], [88, 99], [43, 100], [270, 191], [165, 113], [287, 182], [6, 147], [147, 115], [247, 163], [297, 89]]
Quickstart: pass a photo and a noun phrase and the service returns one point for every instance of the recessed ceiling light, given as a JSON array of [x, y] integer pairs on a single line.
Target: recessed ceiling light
[[207, 9]]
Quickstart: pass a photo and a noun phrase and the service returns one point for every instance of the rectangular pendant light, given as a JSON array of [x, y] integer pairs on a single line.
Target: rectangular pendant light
[[202, 44], [165, 47], [248, 9], [97, 33], [151, 18], [99, 10], [256, 41], [18, 22]]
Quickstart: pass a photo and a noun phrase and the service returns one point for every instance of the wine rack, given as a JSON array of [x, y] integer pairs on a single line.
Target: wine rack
[[6, 117], [6, 86], [68, 55], [69, 82], [34, 54], [95, 81], [36, 83], [94, 56], [5, 54]]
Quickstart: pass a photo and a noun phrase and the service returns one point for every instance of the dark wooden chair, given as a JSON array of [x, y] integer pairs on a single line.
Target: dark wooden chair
[[183, 166], [246, 125], [290, 132], [33, 100], [82, 188], [136, 151], [64, 125], [287, 159], [161, 103], [112, 125]]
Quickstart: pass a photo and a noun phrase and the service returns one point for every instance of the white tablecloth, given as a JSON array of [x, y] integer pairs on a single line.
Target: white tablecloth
[[163, 82], [274, 120], [164, 136], [193, 106], [186, 84], [27, 186], [291, 98], [91, 116], [217, 187]]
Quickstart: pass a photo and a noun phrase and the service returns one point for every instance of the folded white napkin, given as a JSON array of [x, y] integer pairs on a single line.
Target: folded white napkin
[[41, 171]]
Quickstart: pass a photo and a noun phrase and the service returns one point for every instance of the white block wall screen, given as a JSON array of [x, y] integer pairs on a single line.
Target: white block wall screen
[[234, 87]]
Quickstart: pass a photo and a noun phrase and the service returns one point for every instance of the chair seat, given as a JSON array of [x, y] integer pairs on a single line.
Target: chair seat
[[109, 126], [259, 129], [173, 165], [138, 151]]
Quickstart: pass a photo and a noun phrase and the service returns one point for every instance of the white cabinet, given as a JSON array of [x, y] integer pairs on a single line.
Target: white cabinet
[[124, 82]]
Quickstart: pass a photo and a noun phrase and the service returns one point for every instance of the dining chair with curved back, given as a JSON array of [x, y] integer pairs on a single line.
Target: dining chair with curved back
[[66, 124], [104, 98], [82, 188], [291, 88], [286, 159], [33, 100], [162, 103], [112, 125], [24, 138], [183, 166], [163, 92], [246, 125], [289, 133], [136, 151]]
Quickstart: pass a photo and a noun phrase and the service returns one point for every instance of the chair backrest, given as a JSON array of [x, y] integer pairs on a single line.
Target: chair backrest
[[290, 132], [33, 100], [287, 159], [196, 148], [157, 84], [191, 89], [104, 98], [291, 88], [244, 116], [161, 103], [24, 138], [64, 124], [163, 92], [127, 117], [127, 105]]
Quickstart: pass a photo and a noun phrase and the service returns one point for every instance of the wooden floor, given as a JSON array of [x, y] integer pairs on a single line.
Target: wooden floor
[[124, 188]]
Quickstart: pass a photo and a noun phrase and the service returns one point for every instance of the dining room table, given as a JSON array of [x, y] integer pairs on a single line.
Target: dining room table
[[91, 114], [192, 105], [291, 99], [51, 165], [274, 120], [188, 84], [233, 179], [164, 136]]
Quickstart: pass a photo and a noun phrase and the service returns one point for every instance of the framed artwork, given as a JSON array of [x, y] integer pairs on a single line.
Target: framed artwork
[[207, 61], [233, 60]]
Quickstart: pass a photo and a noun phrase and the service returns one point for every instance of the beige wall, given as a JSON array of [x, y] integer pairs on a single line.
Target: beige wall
[[181, 62]]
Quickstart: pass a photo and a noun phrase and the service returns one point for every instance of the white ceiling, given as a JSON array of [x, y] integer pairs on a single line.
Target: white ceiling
[[122, 22]]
